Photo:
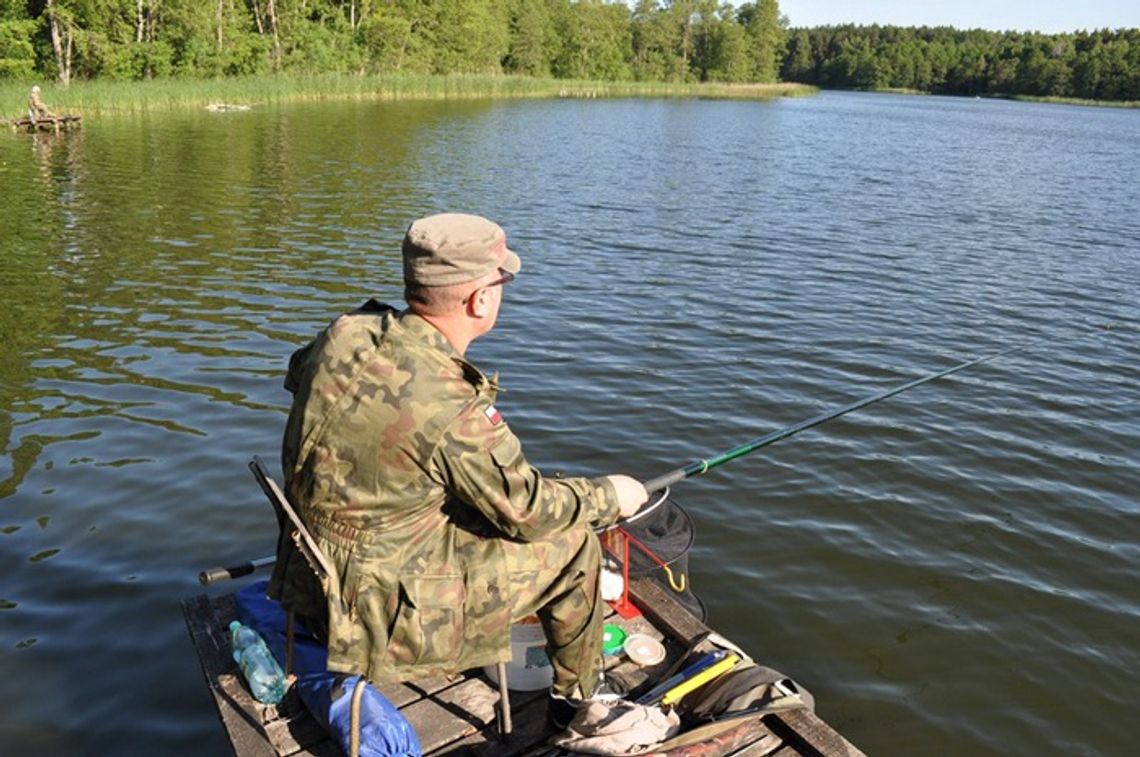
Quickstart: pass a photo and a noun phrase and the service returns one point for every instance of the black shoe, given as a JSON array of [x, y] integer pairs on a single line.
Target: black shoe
[[560, 711]]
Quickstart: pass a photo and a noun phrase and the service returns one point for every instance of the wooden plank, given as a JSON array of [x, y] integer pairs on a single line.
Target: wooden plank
[[243, 725], [456, 716], [809, 734], [225, 610], [529, 708], [288, 728], [765, 747], [452, 714], [298, 735], [528, 711], [664, 612], [403, 694], [749, 739], [283, 729], [721, 738], [292, 730], [57, 124], [326, 748], [758, 750]]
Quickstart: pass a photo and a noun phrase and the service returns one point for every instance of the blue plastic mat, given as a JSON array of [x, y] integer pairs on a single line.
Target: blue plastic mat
[[384, 732]]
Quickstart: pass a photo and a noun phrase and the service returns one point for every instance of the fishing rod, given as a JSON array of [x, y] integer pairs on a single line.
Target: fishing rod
[[699, 467], [213, 575], [695, 468]]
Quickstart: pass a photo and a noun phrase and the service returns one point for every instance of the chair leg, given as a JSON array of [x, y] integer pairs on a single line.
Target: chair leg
[[354, 728], [504, 702]]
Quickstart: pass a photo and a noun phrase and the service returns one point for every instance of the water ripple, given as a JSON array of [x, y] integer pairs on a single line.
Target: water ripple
[[696, 274]]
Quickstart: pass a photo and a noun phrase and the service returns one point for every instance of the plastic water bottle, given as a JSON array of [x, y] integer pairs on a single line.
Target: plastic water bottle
[[257, 663]]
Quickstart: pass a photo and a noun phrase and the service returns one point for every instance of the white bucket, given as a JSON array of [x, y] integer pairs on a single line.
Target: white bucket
[[529, 668]]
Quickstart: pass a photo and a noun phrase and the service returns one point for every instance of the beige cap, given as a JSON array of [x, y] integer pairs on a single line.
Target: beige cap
[[454, 248]]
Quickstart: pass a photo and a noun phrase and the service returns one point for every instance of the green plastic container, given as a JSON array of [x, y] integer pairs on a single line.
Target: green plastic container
[[613, 639]]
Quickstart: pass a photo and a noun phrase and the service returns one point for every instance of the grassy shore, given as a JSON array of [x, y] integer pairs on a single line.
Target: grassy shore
[[92, 97], [1024, 98], [1079, 101], [900, 91]]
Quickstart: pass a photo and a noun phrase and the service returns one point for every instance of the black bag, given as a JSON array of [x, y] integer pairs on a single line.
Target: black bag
[[748, 688]]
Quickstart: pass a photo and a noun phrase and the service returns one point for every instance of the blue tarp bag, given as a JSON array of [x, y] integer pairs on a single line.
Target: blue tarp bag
[[384, 732]]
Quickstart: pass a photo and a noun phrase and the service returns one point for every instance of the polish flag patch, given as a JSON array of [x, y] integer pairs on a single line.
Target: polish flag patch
[[493, 415]]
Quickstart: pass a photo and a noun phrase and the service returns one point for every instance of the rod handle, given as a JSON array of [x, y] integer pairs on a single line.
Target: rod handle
[[214, 575], [667, 479]]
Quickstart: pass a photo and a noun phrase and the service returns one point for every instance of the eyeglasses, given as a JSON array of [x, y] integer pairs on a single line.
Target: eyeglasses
[[506, 278]]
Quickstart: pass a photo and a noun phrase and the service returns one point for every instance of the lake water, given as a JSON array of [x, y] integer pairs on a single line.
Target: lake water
[[951, 571]]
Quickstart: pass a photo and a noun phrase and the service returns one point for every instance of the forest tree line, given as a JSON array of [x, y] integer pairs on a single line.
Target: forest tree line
[[1096, 65], [677, 40], [649, 40]]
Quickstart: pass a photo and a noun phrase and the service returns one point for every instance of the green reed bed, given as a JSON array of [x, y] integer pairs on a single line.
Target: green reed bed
[[900, 91], [105, 96]]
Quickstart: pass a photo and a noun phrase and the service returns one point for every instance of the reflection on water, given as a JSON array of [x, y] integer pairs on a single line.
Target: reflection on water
[[696, 274]]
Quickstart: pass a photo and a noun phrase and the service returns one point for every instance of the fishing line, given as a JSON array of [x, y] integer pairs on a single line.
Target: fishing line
[[658, 487], [704, 465]]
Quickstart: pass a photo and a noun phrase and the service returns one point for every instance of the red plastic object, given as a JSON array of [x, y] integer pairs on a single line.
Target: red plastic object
[[622, 606]]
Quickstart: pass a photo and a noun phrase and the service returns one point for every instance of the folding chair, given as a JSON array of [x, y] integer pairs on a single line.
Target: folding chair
[[293, 528]]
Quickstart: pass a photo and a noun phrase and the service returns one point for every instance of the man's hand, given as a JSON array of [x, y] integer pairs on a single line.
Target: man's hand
[[631, 494]]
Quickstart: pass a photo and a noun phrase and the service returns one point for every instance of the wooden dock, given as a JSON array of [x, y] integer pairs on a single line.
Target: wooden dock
[[457, 716], [56, 124]]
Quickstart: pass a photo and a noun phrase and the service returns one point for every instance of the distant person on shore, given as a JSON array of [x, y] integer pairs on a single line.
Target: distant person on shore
[[36, 107]]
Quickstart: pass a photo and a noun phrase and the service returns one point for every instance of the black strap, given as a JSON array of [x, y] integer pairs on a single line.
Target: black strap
[[374, 306]]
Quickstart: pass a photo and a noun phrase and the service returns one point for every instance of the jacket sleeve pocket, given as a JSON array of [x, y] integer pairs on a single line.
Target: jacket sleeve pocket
[[506, 451], [428, 628]]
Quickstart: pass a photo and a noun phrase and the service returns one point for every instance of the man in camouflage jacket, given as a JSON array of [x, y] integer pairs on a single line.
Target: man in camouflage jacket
[[416, 489]]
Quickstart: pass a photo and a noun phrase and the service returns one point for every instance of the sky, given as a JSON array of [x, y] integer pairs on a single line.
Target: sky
[[1050, 16]]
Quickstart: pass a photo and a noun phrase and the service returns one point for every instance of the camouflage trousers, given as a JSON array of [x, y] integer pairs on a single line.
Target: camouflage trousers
[[558, 579]]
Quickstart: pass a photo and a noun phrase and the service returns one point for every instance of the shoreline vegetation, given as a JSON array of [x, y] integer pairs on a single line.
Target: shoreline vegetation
[[1100, 67], [115, 96], [144, 55], [105, 97], [1078, 101], [1050, 100]]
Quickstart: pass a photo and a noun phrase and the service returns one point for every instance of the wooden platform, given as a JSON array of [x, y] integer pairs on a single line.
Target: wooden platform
[[57, 124], [457, 716]]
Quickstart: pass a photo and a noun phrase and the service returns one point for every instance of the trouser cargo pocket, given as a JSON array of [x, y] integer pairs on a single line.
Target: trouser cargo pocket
[[428, 628]]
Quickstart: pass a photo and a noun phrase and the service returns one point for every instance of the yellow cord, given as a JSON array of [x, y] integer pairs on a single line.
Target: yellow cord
[[672, 582]]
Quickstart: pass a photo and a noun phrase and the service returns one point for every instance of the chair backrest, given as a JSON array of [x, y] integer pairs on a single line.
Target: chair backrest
[[292, 527]]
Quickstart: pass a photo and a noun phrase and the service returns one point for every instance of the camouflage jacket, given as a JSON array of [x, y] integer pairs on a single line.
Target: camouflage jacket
[[409, 479]]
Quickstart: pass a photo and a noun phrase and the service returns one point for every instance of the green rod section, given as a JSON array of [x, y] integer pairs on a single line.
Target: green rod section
[[698, 467]]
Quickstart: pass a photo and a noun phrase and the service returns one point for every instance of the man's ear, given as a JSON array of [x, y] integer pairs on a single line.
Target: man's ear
[[479, 304]]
